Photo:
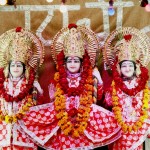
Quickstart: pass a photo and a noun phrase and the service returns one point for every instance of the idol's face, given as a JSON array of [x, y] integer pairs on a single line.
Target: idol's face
[[127, 68], [16, 69], [73, 64]]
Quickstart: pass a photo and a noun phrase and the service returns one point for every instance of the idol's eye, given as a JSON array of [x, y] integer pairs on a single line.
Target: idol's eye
[[19, 65], [77, 61], [123, 66], [131, 65], [12, 65], [69, 61]]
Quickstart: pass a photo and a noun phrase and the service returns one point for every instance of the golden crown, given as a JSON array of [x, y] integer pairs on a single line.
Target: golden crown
[[127, 43], [73, 43], [20, 48], [127, 48], [74, 40], [21, 45]]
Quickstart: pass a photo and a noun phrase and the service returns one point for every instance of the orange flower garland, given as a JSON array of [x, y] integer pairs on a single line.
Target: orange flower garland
[[21, 113], [86, 99], [117, 110]]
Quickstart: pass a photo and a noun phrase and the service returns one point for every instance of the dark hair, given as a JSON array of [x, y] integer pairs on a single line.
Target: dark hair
[[77, 56], [24, 67]]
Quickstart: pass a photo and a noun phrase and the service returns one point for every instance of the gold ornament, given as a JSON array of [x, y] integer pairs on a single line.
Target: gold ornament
[[83, 38], [73, 43], [20, 48], [127, 50], [127, 43], [20, 45]]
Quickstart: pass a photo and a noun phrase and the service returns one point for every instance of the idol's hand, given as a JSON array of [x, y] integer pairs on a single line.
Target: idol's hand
[[52, 90], [97, 75], [37, 85]]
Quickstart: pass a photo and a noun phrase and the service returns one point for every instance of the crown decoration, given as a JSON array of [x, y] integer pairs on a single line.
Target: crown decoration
[[127, 44], [126, 49], [20, 45], [73, 43], [74, 40], [20, 48]]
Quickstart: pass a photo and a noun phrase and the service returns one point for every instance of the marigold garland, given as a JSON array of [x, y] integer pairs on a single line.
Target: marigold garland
[[21, 113], [22, 95], [117, 110], [84, 90]]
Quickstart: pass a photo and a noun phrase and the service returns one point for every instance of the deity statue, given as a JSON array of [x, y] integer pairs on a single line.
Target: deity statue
[[72, 120], [127, 52], [19, 52]]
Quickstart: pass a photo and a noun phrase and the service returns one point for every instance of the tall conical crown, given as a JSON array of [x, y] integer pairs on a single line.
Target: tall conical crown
[[127, 43], [73, 43], [21, 45], [20, 48], [127, 48]]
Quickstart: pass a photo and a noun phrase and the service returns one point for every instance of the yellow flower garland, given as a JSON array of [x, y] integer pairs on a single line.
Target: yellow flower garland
[[86, 100], [117, 110], [21, 113]]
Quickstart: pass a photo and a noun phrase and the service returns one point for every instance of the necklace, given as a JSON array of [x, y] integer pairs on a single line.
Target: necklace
[[73, 81], [13, 86]]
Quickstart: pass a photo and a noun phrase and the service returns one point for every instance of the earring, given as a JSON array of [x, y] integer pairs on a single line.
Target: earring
[[138, 70], [27, 70], [118, 69], [6, 71]]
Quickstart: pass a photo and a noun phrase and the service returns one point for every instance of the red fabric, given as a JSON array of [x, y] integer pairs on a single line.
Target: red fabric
[[46, 73], [107, 79], [99, 92], [130, 112], [14, 147], [41, 124]]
